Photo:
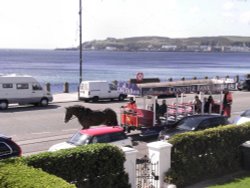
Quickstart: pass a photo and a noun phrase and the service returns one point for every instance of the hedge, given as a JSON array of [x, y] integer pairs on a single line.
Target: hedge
[[94, 165], [206, 154], [16, 174]]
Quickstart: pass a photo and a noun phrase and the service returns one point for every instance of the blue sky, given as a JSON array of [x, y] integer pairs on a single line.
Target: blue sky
[[48, 24]]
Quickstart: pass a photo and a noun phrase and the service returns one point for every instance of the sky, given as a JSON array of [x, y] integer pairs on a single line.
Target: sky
[[49, 24]]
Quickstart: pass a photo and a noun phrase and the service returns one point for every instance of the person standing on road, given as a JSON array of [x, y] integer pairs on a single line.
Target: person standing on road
[[209, 104], [197, 104], [227, 102]]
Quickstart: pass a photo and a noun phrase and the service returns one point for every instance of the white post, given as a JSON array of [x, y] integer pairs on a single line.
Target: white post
[[176, 107], [160, 152], [202, 102], [154, 98], [144, 103], [182, 97], [130, 164]]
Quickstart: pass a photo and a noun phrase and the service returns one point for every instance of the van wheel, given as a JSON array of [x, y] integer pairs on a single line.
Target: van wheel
[[4, 105], [121, 98], [44, 102], [95, 99]]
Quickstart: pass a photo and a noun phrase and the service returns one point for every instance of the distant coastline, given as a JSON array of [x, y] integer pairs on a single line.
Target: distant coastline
[[165, 44]]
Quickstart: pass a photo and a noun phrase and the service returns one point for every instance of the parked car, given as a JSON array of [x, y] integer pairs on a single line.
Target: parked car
[[107, 134], [8, 148], [243, 118], [193, 123]]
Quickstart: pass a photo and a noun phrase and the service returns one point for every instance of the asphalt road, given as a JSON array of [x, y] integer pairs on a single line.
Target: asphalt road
[[35, 129]]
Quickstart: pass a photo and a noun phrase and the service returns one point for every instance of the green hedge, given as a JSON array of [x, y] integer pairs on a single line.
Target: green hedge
[[95, 165], [206, 154], [16, 174]]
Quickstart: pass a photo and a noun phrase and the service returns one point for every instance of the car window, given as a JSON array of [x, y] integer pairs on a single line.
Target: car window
[[204, 124], [217, 121], [79, 139], [4, 149], [189, 123], [117, 136], [101, 139]]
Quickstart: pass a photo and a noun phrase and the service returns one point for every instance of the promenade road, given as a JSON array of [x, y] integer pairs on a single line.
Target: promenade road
[[37, 128]]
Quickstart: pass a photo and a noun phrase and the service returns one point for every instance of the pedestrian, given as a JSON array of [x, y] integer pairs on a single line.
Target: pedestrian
[[227, 102], [197, 104], [163, 108], [209, 104]]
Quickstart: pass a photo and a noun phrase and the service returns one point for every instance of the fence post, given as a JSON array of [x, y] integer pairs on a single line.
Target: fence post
[[130, 164], [160, 152], [66, 87]]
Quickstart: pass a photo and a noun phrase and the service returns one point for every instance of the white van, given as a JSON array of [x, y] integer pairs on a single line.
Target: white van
[[22, 90], [99, 90]]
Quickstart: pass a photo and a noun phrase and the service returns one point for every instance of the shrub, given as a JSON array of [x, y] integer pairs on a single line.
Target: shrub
[[16, 174], [93, 165], [205, 154]]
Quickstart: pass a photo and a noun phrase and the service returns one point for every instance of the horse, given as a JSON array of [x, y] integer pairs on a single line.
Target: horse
[[88, 117]]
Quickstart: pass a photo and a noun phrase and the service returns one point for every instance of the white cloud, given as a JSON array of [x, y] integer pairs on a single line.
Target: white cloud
[[228, 6], [194, 10], [245, 17]]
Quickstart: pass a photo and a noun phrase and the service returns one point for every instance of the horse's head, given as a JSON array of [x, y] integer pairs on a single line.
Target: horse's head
[[68, 115]]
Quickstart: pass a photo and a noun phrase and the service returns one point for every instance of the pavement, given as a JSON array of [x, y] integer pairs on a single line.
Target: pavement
[[65, 97]]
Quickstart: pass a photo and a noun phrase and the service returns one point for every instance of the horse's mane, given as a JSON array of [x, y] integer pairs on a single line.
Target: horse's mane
[[81, 109]]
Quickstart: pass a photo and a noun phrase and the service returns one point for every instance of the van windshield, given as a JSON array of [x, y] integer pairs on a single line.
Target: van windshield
[[79, 139]]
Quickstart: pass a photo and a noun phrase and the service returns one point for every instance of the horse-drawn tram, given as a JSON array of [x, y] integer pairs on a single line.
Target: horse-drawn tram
[[150, 122]]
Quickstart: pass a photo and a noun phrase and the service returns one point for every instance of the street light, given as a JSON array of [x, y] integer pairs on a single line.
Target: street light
[[80, 46], [80, 40]]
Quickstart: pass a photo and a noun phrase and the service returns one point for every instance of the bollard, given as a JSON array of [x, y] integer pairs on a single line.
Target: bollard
[[48, 87], [66, 87]]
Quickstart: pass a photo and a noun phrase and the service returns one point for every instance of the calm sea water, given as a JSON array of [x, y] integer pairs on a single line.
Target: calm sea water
[[58, 67]]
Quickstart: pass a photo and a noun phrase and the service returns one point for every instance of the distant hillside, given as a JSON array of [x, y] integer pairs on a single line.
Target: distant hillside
[[221, 43]]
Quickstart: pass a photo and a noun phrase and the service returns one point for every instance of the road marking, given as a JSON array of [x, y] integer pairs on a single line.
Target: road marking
[[65, 130], [41, 133], [45, 139]]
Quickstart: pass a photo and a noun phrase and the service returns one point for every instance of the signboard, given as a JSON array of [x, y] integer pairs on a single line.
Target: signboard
[[139, 76]]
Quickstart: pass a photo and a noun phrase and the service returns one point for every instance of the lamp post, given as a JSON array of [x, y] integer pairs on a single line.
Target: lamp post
[[80, 41], [80, 46]]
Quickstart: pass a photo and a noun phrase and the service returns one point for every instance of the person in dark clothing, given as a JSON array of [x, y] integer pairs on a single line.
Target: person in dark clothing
[[208, 103], [162, 108]]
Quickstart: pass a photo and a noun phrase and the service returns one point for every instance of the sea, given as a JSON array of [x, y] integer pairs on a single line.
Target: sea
[[59, 66]]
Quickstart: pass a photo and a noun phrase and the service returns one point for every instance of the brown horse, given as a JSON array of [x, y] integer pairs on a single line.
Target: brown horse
[[88, 117]]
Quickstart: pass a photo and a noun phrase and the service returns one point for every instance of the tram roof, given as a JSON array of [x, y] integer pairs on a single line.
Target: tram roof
[[181, 83]]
